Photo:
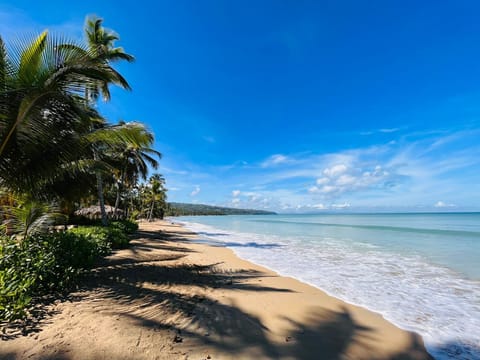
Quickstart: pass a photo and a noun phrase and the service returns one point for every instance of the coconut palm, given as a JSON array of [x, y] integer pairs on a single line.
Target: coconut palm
[[41, 108], [134, 158], [101, 43], [156, 193]]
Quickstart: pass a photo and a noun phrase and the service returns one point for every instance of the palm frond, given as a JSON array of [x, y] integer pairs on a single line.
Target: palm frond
[[30, 60]]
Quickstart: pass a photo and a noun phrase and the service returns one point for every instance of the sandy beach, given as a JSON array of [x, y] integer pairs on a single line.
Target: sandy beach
[[167, 297]]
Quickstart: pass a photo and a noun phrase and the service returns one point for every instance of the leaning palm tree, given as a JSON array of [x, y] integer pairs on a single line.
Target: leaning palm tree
[[42, 111]]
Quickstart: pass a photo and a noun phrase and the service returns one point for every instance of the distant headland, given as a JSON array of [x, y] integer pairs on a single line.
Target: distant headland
[[183, 209]]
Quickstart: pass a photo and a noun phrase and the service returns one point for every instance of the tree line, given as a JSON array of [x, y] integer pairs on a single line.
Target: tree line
[[182, 209]]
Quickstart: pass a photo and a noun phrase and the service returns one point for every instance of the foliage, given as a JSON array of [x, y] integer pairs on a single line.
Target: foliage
[[111, 236], [27, 216], [55, 148], [127, 226], [46, 263], [42, 264], [43, 116]]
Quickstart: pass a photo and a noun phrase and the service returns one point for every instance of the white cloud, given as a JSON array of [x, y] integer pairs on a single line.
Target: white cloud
[[340, 179], [168, 170], [327, 189], [341, 206], [346, 179], [195, 191], [275, 160], [320, 206], [417, 169], [322, 181], [235, 201], [389, 130], [236, 193], [376, 131], [441, 204], [335, 170]]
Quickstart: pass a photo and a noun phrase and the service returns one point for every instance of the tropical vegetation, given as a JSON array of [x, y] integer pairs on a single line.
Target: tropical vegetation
[[58, 154]]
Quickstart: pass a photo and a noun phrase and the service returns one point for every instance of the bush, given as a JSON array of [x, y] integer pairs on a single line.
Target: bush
[[96, 235], [127, 226], [39, 265], [47, 263], [108, 237]]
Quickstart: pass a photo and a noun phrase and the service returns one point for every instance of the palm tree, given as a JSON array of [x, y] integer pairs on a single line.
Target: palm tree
[[41, 109], [102, 49], [157, 192], [134, 158], [101, 43]]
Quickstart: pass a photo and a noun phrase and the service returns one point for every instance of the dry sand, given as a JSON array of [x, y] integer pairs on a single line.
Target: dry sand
[[167, 297]]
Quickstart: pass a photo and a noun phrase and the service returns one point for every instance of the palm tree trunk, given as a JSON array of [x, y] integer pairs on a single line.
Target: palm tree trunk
[[119, 190], [117, 201], [151, 210], [101, 200]]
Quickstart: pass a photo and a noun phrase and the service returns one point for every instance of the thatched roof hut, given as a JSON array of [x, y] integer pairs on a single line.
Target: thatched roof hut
[[93, 212]]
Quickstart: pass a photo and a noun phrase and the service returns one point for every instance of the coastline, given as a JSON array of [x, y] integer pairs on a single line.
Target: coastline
[[169, 297]]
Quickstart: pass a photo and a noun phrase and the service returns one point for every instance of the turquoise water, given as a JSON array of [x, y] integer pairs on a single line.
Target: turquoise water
[[420, 271]]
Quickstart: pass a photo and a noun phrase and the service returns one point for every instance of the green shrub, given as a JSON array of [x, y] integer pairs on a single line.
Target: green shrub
[[46, 263], [97, 235], [117, 238], [42, 264], [108, 236], [127, 226]]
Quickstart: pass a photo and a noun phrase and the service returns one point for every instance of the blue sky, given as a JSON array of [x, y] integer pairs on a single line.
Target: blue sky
[[297, 106]]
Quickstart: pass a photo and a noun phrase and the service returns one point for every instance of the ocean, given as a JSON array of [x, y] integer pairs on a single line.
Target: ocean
[[420, 271]]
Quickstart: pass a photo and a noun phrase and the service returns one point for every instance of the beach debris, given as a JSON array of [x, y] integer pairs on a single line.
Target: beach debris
[[288, 338], [177, 339]]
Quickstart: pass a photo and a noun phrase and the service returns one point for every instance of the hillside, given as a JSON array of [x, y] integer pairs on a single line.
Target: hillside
[[182, 209]]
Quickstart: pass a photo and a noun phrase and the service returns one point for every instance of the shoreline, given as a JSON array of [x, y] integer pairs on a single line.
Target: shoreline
[[411, 290], [168, 297], [296, 283]]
